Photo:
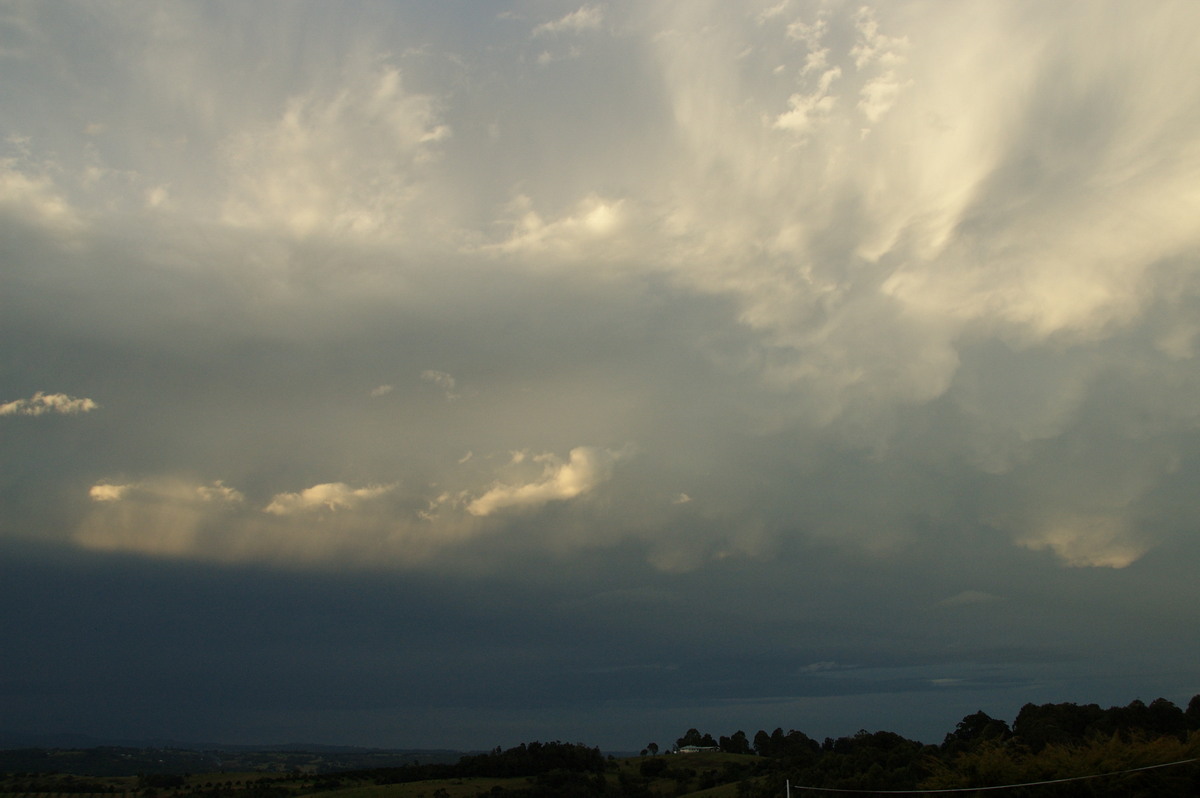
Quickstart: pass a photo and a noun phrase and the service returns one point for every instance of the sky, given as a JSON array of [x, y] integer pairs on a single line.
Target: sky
[[460, 374]]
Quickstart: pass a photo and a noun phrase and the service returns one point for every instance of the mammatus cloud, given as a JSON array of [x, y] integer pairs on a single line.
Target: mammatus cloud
[[586, 468], [42, 403], [329, 496]]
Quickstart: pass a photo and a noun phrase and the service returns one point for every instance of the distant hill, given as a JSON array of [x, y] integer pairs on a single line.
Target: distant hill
[[83, 755]]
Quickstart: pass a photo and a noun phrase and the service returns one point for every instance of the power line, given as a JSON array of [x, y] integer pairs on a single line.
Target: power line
[[997, 787]]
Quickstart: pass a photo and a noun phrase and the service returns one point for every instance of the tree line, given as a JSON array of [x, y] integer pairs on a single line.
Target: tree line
[[1045, 742]]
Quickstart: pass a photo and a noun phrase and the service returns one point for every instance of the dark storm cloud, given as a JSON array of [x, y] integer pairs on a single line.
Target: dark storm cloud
[[594, 372]]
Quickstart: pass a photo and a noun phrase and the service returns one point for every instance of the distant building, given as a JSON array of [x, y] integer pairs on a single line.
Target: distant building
[[697, 749]]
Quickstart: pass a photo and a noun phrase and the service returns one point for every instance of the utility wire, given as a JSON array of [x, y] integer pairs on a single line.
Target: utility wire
[[997, 787]]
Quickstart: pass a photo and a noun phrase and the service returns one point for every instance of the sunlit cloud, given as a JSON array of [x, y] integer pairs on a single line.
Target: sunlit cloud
[[322, 526], [442, 380], [42, 403], [347, 162], [1088, 541], [582, 19], [332, 496], [162, 517], [586, 468], [32, 193]]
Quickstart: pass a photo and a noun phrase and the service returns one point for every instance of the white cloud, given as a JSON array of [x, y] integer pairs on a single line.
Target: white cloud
[[105, 492], [582, 19], [1091, 541], [42, 403], [381, 390], [586, 468], [807, 110], [326, 496], [32, 193], [345, 162], [166, 489], [163, 517], [443, 380], [596, 227], [325, 525], [220, 492]]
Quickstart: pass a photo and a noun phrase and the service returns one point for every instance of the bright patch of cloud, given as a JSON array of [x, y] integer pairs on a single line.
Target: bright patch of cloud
[[321, 526], [326, 496], [220, 492], [582, 19], [42, 403], [160, 517], [807, 110], [105, 492], [883, 56], [1087, 541], [34, 195], [165, 490], [586, 468], [346, 162], [595, 227], [443, 380]]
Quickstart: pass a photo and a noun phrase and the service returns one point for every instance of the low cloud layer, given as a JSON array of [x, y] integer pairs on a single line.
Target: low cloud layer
[[871, 330]]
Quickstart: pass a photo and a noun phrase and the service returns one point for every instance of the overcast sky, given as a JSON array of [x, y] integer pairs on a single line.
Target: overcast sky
[[456, 374]]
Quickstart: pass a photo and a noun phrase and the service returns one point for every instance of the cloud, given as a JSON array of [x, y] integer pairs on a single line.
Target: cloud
[[443, 380], [581, 19], [342, 163], [596, 226], [106, 492], [162, 517], [1087, 541], [30, 191], [165, 489], [807, 110], [324, 525], [586, 468], [41, 403], [332, 496]]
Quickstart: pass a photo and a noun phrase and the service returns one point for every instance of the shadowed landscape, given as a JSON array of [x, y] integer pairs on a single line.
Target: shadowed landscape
[[1050, 750]]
